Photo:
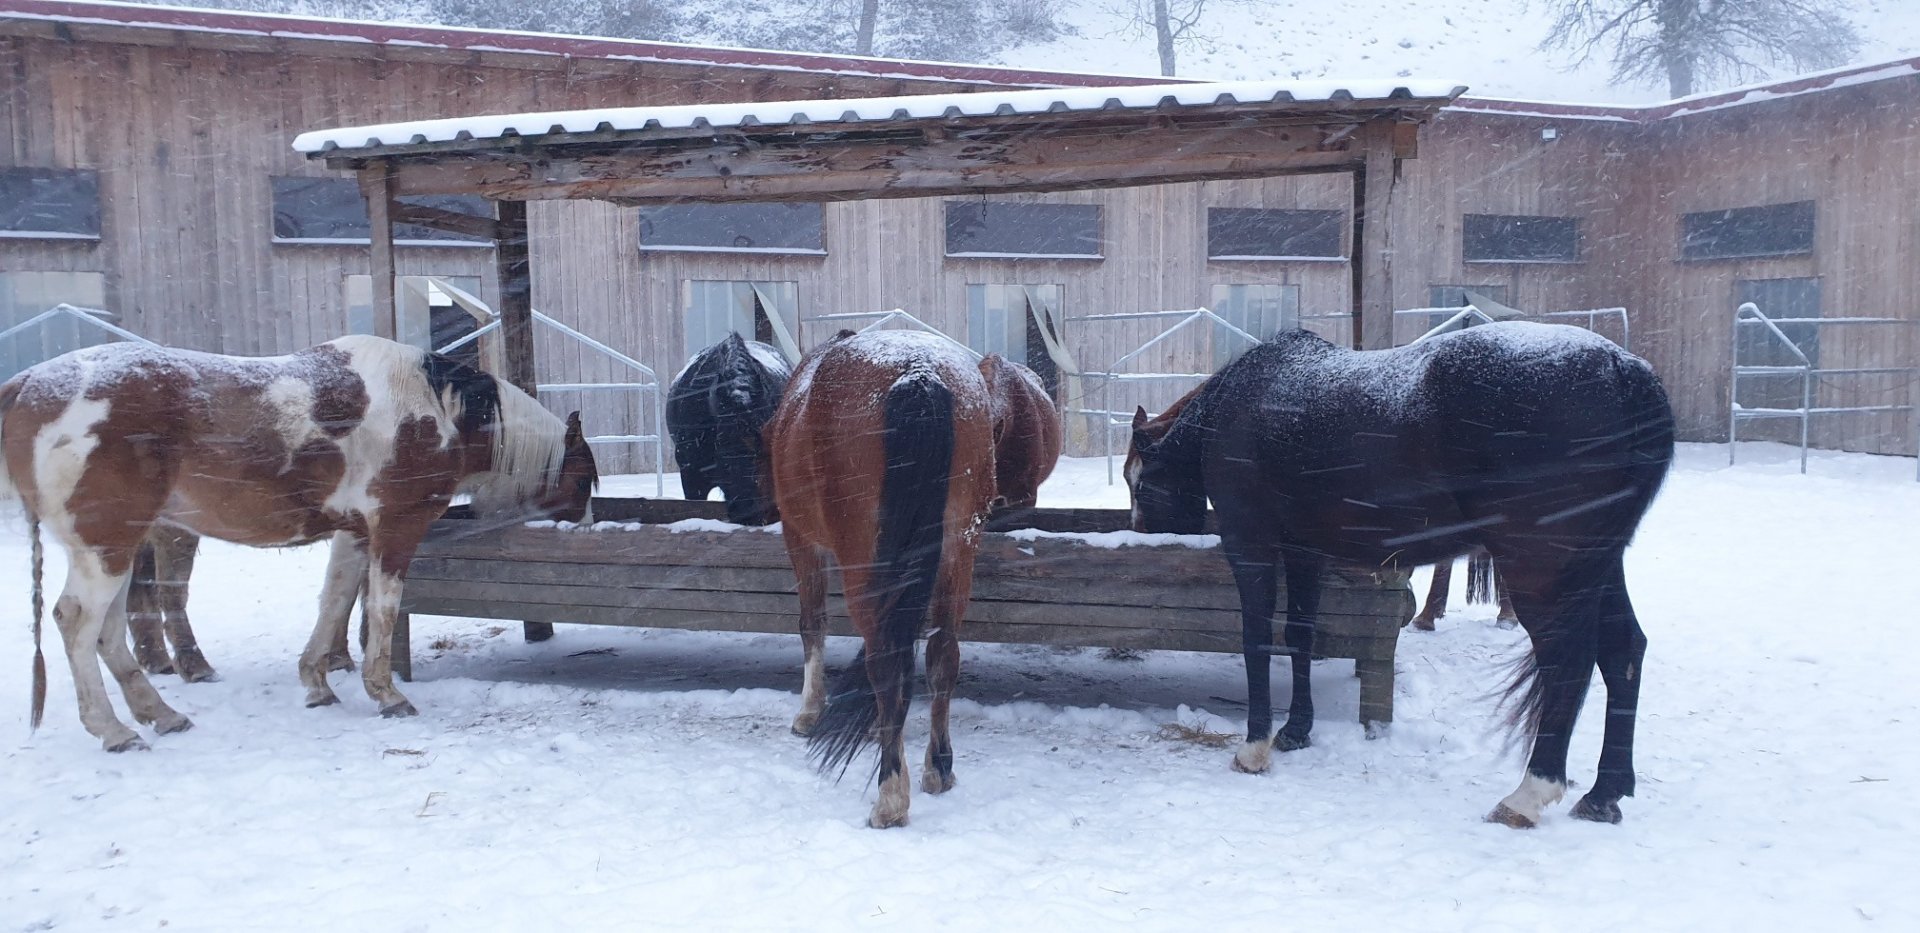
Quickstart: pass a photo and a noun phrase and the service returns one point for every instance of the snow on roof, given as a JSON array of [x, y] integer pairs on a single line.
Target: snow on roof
[[374, 35], [1815, 82], [1358, 94]]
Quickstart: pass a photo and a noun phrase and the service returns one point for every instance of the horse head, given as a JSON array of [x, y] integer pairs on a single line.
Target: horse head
[[1163, 480], [570, 498]]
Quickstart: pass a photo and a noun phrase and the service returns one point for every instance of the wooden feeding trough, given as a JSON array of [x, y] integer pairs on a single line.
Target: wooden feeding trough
[[1043, 576]]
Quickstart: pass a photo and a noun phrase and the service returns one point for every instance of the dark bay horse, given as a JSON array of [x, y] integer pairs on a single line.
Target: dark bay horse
[[1026, 430], [361, 439], [717, 409], [883, 464], [1483, 586], [1543, 444]]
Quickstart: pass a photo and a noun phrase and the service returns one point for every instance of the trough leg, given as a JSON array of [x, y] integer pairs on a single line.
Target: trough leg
[[536, 631], [403, 645], [1376, 694]]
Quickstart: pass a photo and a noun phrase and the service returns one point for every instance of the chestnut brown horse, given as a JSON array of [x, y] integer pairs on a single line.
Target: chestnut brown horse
[[1483, 586], [361, 439], [882, 455], [1026, 430]]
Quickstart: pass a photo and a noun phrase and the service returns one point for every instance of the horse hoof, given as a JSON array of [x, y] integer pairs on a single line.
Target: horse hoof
[[172, 724], [1509, 817], [132, 743], [1421, 625], [934, 782], [1288, 742], [319, 701], [1598, 811], [339, 662], [196, 670], [157, 668], [803, 724], [399, 710], [1253, 758], [879, 820], [1507, 623]]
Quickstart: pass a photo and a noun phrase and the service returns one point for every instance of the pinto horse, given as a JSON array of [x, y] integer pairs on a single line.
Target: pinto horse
[[717, 409], [1026, 430], [1483, 586], [1543, 444], [360, 439], [882, 458]]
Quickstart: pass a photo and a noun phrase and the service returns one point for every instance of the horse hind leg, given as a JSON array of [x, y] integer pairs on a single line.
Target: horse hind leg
[[1622, 648], [346, 574], [142, 699], [1436, 604], [809, 568], [80, 613], [146, 612], [175, 555], [1563, 631], [1256, 574], [943, 671], [889, 672]]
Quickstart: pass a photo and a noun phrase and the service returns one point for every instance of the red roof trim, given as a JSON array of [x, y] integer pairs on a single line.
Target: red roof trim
[[477, 40]]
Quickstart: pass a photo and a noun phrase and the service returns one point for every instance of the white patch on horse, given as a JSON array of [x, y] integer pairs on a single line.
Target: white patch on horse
[[1534, 794], [60, 453], [291, 399]]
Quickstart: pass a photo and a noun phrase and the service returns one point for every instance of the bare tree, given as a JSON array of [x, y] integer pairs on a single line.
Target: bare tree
[[1692, 41], [1173, 23], [863, 37]]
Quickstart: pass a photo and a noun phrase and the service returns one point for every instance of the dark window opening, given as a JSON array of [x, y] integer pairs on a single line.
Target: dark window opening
[[331, 210], [1504, 238], [50, 203], [1264, 233], [771, 228], [987, 229], [1748, 232]]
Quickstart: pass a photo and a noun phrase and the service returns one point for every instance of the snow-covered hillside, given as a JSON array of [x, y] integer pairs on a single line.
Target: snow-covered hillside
[[1489, 45]]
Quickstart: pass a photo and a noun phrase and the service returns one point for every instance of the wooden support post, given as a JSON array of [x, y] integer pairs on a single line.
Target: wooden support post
[[402, 651], [1376, 693], [514, 263], [1373, 229], [376, 185]]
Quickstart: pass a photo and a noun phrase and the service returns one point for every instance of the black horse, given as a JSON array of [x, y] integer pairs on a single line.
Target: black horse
[[1543, 444], [716, 410]]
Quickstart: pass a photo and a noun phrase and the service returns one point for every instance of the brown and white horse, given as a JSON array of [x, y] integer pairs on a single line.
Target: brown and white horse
[[1026, 430], [882, 455], [360, 439]]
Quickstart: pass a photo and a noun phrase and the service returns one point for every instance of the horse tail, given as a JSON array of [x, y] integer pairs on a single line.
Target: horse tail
[[1641, 453], [919, 441], [39, 613], [1480, 578]]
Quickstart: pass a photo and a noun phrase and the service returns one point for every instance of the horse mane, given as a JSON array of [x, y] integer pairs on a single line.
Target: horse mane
[[1189, 419], [528, 442]]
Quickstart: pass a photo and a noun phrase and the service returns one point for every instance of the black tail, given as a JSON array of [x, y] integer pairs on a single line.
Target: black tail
[[1639, 454], [906, 555], [1480, 578]]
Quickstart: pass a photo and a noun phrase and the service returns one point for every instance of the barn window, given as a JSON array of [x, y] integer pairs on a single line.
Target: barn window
[[733, 228], [49, 204], [1008, 320], [765, 311], [1022, 230], [1260, 310], [331, 211], [1508, 238], [434, 311], [26, 295], [1265, 233], [1756, 346], [1748, 232]]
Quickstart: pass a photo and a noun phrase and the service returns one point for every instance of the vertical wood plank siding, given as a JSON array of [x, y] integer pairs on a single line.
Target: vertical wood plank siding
[[186, 140]]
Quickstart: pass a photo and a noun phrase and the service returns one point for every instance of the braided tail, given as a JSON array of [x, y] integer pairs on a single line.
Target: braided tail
[[39, 612]]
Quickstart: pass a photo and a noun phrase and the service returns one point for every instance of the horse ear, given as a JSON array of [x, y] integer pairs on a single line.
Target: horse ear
[[575, 432], [1139, 417]]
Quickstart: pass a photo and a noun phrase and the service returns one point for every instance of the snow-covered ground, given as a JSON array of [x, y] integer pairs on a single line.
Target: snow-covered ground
[[646, 779]]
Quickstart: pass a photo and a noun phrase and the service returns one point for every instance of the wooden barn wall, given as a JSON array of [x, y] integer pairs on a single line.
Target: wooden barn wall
[[186, 140], [1854, 154]]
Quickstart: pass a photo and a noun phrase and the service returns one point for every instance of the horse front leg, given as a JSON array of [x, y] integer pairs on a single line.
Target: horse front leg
[[146, 612], [346, 574], [1255, 573], [387, 558], [1303, 609], [810, 569]]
